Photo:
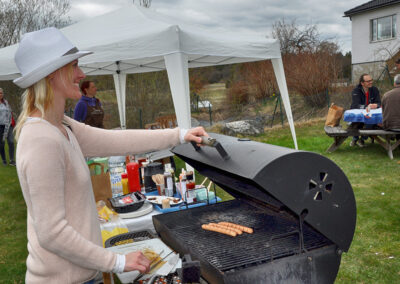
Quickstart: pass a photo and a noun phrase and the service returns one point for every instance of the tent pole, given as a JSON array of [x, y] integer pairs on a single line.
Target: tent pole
[[178, 76], [120, 90], [281, 80]]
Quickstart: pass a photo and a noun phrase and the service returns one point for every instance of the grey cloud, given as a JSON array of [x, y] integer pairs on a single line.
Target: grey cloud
[[255, 15]]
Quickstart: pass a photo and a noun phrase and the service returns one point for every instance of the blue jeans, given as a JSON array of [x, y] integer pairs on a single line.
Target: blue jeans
[[89, 282], [365, 127], [10, 141]]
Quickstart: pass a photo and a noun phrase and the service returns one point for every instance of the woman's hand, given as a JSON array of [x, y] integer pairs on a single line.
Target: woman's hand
[[136, 261], [194, 134]]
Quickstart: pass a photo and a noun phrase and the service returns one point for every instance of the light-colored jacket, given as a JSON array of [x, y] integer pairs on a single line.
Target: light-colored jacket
[[64, 240], [5, 113]]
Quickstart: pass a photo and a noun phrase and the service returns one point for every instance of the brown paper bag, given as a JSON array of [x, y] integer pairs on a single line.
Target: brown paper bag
[[334, 116], [101, 185]]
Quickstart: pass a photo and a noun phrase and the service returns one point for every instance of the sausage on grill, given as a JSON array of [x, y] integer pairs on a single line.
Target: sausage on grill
[[240, 227], [238, 231], [219, 230]]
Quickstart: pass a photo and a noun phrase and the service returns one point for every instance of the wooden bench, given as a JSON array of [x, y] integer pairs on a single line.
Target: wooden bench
[[339, 135], [383, 137]]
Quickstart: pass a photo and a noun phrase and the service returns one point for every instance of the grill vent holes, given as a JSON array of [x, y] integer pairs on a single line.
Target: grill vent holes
[[328, 187], [321, 185], [312, 185], [318, 196]]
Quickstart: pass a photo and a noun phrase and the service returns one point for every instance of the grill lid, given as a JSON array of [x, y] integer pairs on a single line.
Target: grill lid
[[307, 183]]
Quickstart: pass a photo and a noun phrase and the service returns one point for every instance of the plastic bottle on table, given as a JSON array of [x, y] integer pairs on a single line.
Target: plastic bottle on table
[[133, 175], [125, 183], [116, 165]]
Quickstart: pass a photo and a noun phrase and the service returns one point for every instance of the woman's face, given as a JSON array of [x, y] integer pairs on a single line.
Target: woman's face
[[1, 95], [66, 81], [92, 90]]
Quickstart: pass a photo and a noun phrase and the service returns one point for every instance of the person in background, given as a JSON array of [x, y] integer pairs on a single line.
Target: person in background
[[88, 110], [364, 95], [6, 130], [391, 106], [397, 63], [64, 239]]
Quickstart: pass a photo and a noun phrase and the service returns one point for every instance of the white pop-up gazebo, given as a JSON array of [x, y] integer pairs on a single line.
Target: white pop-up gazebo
[[136, 40]]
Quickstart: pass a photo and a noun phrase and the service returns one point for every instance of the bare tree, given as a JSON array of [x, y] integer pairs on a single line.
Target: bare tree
[[294, 39], [144, 3], [20, 16]]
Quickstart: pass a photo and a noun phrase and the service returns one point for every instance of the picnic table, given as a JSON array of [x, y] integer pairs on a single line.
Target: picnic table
[[383, 137]]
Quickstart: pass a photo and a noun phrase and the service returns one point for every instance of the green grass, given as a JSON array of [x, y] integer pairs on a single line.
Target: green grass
[[374, 256], [13, 251]]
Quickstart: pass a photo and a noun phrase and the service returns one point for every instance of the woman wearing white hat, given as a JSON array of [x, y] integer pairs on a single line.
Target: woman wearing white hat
[[64, 240]]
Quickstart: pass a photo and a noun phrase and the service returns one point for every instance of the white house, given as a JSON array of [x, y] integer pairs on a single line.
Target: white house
[[374, 36]]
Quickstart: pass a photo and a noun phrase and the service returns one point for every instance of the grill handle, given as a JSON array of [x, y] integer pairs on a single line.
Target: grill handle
[[212, 142]]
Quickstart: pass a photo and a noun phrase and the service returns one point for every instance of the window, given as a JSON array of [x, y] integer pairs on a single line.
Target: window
[[383, 28]]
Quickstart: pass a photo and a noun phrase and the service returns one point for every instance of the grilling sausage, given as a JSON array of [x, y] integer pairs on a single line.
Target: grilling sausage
[[219, 230], [240, 227], [238, 231]]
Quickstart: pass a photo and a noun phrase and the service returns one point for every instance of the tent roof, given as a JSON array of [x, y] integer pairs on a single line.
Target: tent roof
[[138, 38]]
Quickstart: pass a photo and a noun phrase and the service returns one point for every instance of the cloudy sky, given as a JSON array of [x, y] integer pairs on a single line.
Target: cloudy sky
[[241, 15]]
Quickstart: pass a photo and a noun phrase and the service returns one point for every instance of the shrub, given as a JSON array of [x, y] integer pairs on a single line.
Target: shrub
[[237, 95]]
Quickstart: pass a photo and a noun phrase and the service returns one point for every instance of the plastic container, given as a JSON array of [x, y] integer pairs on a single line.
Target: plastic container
[[138, 200], [132, 170], [116, 165], [125, 183], [169, 184], [103, 161], [190, 184]]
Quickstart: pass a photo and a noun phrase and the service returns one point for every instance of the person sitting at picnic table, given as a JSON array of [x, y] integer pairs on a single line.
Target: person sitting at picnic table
[[64, 239], [363, 96], [391, 106], [89, 110]]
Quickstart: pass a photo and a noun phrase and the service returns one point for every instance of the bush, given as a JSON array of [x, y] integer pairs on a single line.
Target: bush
[[237, 95], [261, 79], [311, 74]]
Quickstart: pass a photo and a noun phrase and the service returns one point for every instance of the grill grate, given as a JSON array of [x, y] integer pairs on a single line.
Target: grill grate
[[274, 236]]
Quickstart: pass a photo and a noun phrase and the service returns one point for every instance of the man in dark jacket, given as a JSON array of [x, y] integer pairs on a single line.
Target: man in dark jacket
[[363, 96]]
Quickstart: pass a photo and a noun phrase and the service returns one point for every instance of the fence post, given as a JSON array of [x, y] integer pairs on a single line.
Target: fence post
[[280, 106], [209, 110], [328, 99]]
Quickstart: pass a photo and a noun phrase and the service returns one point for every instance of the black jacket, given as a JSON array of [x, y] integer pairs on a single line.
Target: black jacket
[[358, 97]]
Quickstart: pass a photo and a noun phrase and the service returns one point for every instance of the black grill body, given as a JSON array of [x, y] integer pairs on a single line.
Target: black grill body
[[300, 205]]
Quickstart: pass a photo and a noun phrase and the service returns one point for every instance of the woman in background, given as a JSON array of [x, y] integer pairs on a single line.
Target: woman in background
[[6, 130], [89, 110], [64, 239]]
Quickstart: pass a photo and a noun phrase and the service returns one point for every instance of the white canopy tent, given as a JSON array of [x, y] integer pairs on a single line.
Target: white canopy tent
[[136, 40]]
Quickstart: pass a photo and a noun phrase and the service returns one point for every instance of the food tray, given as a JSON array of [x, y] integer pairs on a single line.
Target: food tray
[[134, 236], [126, 208]]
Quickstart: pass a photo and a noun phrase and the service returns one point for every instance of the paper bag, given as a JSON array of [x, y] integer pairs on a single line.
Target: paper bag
[[101, 185], [334, 116]]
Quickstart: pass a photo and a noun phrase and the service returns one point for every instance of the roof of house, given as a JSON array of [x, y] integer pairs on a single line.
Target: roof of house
[[371, 5]]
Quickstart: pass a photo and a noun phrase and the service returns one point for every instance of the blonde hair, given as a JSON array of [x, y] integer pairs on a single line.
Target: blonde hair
[[39, 96]]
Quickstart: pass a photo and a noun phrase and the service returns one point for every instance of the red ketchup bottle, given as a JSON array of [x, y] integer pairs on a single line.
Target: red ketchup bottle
[[133, 176]]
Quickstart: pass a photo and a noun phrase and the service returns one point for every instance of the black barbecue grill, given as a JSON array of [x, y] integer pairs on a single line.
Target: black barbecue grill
[[300, 205]]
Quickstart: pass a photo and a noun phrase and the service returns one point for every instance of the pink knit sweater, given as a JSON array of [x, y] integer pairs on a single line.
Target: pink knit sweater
[[64, 240]]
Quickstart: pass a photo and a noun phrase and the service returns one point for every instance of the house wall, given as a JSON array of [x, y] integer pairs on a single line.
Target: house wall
[[367, 56]]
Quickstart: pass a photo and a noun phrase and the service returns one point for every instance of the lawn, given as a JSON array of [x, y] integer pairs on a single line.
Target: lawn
[[374, 256]]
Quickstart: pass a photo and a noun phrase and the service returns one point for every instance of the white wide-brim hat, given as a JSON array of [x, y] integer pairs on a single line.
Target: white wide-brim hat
[[42, 52]]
